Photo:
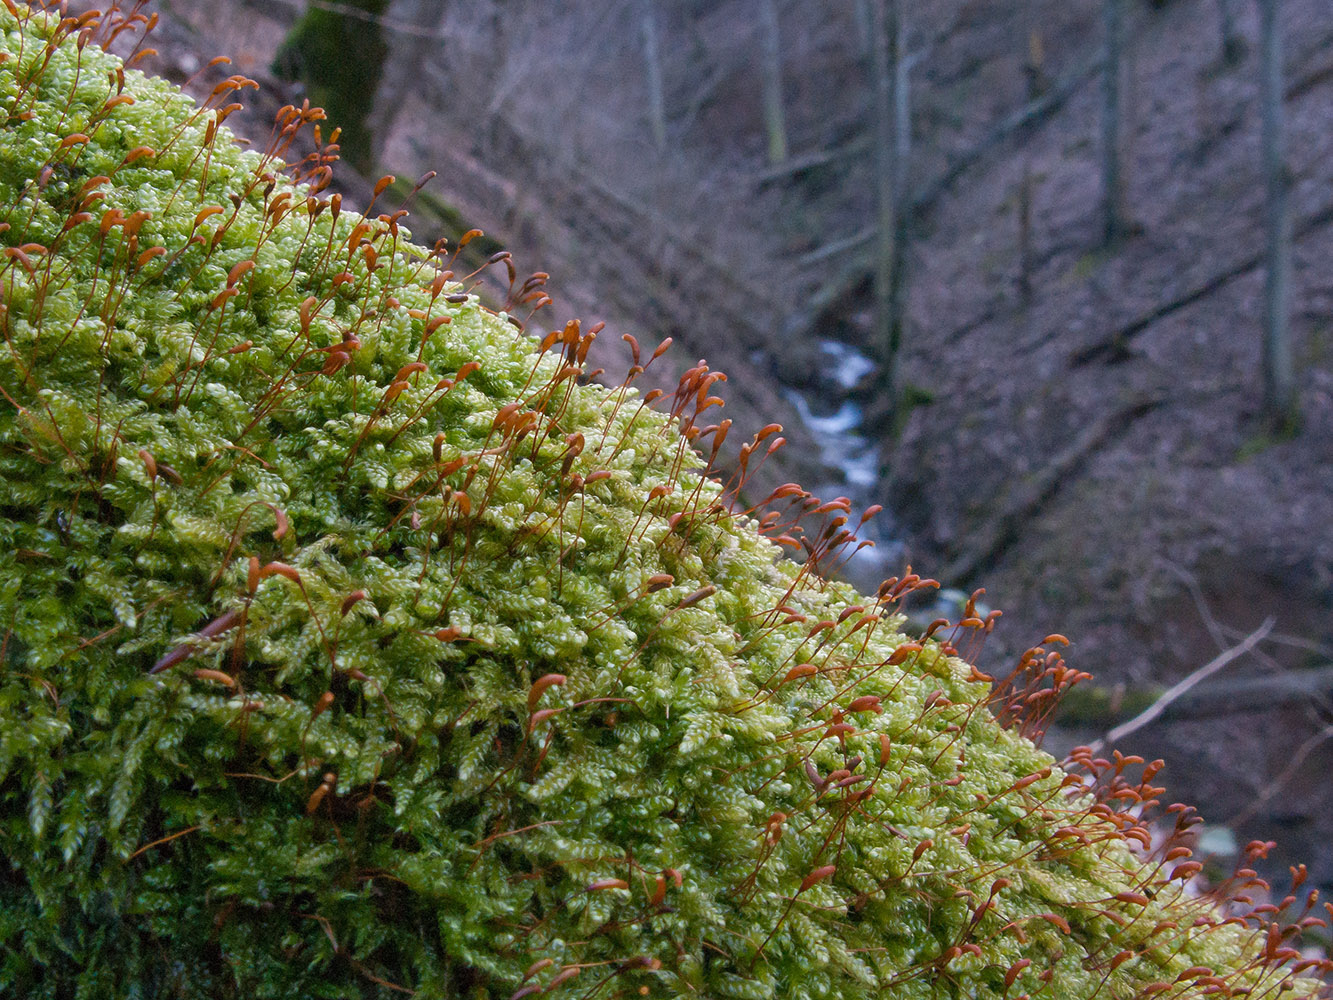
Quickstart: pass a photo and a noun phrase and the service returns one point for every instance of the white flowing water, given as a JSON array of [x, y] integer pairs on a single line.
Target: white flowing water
[[843, 446], [849, 364], [840, 445]]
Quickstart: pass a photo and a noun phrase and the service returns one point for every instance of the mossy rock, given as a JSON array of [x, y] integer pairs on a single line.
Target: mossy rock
[[355, 643]]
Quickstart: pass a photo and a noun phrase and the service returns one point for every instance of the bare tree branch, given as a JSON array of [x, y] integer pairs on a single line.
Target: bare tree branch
[[1175, 691], [1271, 788]]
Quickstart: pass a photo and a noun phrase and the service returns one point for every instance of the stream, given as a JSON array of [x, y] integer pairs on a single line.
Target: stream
[[834, 418]]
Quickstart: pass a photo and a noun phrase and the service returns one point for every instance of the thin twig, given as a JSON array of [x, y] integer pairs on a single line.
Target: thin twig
[[1222, 634], [1191, 583], [1284, 639], [1276, 785], [1195, 677]]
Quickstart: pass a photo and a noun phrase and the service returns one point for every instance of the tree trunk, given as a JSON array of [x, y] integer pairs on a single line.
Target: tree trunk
[[1026, 255], [1034, 67], [865, 30], [652, 65], [1279, 382], [902, 123], [1113, 182], [886, 60], [1233, 45], [408, 53], [775, 121]]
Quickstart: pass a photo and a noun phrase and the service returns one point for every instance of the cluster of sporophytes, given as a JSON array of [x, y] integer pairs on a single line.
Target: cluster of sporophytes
[[356, 642]]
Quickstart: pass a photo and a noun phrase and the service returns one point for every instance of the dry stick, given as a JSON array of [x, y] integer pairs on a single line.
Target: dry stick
[[1191, 583], [1174, 692], [1280, 782], [1282, 687]]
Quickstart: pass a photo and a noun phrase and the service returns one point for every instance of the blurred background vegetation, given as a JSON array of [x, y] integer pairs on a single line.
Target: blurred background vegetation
[[1048, 280]]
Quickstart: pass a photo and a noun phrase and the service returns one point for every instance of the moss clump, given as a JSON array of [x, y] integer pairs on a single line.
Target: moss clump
[[354, 643]]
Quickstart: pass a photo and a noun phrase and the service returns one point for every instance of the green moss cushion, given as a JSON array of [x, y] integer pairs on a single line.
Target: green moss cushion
[[354, 644]]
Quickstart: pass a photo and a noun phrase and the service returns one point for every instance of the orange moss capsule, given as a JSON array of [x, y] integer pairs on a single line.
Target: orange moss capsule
[[1056, 919], [537, 966], [326, 786], [865, 703], [537, 718], [701, 594], [817, 876], [410, 369], [565, 974], [239, 271], [801, 670], [1015, 970], [148, 255], [280, 569], [280, 516], [1022, 783], [540, 685], [659, 893], [321, 705], [1193, 972], [223, 297], [1185, 871], [77, 219], [903, 652]]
